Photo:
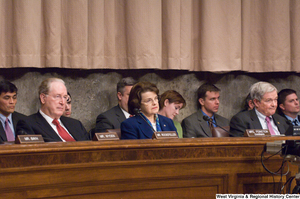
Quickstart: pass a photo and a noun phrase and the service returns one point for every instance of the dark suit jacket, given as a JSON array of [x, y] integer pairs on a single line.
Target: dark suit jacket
[[249, 120], [195, 126], [36, 124], [136, 128], [110, 119], [15, 119]]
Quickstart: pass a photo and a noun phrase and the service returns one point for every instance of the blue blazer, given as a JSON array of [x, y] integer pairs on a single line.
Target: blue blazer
[[136, 128]]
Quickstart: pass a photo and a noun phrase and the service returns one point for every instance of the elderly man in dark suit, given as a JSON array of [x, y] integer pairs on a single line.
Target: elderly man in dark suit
[[48, 121], [8, 116], [194, 125], [113, 118], [263, 116]]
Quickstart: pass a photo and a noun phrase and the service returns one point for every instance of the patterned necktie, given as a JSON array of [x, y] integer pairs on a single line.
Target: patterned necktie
[[9, 134], [62, 132], [211, 126], [295, 122], [270, 126]]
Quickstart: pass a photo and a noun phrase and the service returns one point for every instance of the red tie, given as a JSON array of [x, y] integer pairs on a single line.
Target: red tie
[[62, 132]]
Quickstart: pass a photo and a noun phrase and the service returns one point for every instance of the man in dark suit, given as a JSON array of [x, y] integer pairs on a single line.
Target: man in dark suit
[[288, 106], [48, 121], [263, 116], [194, 125], [113, 118], [9, 118]]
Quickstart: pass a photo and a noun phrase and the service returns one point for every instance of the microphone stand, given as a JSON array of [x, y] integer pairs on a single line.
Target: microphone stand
[[137, 112], [206, 118]]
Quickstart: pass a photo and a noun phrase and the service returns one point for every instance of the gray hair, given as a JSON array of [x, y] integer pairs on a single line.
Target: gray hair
[[45, 85], [128, 81], [258, 90]]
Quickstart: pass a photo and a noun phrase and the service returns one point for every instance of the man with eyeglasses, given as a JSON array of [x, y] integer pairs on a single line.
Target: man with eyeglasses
[[195, 125], [263, 116], [48, 121]]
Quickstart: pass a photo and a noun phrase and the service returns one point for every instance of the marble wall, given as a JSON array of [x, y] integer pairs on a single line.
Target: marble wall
[[94, 91]]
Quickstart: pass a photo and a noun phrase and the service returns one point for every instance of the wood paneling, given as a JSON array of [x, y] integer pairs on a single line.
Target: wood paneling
[[179, 168]]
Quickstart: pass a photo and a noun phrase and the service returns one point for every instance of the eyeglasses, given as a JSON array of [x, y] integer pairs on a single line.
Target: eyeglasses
[[60, 97], [150, 100]]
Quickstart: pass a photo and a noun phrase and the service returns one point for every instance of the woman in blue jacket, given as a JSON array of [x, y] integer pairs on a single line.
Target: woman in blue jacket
[[143, 102]]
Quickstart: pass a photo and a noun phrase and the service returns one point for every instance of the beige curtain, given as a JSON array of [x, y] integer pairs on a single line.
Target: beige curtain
[[194, 35]]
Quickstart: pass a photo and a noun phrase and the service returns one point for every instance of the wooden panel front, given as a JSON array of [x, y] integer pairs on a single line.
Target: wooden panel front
[[181, 168]]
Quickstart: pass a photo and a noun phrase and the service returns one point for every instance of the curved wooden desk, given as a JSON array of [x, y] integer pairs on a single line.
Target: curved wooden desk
[[179, 168]]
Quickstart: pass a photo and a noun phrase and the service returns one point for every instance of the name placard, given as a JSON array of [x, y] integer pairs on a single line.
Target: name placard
[[164, 135], [257, 133], [106, 136], [296, 130], [29, 139]]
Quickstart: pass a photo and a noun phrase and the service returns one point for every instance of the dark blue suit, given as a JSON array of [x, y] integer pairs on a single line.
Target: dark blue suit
[[136, 128]]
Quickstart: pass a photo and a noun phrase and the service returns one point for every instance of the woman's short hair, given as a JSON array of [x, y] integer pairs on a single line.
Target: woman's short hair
[[135, 96], [173, 97]]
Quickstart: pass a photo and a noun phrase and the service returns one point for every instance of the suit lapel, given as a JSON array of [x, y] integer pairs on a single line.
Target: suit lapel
[[144, 127], [162, 123], [70, 127], [2, 133], [255, 120], [203, 124], [44, 125], [120, 115], [280, 127]]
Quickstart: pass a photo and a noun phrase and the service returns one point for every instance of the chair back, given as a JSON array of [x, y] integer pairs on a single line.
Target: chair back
[[219, 132]]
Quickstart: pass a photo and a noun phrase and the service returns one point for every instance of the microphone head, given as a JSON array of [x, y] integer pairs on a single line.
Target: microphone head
[[136, 111], [22, 128], [206, 118]]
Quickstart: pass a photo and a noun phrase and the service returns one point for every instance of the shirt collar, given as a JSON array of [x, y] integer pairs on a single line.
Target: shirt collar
[[204, 114], [48, 118], [125, 113], [3, 118], [291, 119], [260, 115]]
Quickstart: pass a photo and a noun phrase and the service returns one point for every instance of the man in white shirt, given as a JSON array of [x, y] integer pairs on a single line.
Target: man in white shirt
[[48, 121], [112, 118], [263, 116]]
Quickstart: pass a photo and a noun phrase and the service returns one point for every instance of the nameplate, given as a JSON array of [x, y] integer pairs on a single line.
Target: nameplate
[[164, 135], [106, 136], [296, 130], [257, 133], [29, 139]]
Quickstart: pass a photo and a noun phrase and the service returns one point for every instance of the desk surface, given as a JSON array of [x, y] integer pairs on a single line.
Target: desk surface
[[175, 168]]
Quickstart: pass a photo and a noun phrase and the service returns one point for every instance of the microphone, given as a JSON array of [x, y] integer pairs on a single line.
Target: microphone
[[21, 128], [137, 112], [206, 118]]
